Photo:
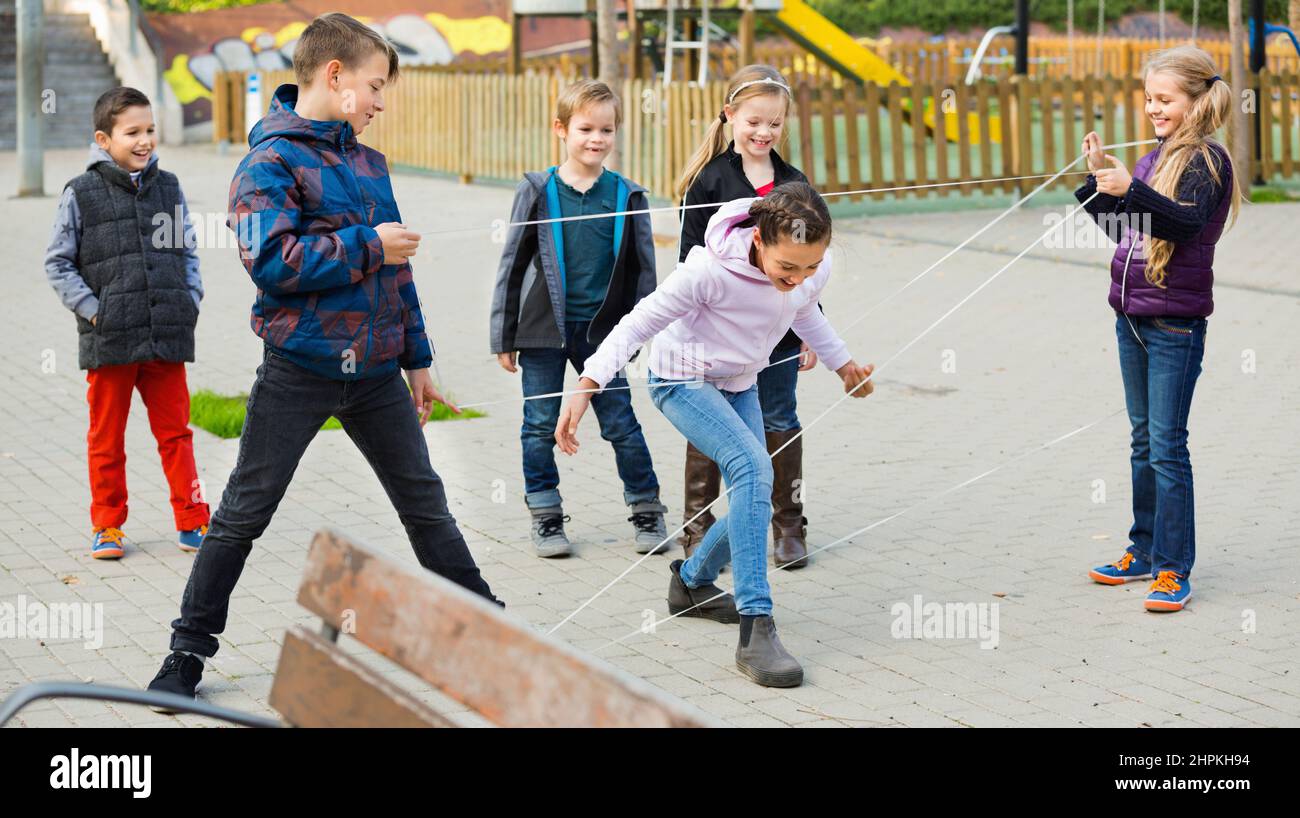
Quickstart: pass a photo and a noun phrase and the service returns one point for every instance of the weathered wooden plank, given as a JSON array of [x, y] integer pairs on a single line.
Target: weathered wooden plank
[[318, 685], [851, 106], [473, 652], [919, 140]]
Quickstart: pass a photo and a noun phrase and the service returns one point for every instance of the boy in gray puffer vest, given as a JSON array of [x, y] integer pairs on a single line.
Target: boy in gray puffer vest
[[122, 258]]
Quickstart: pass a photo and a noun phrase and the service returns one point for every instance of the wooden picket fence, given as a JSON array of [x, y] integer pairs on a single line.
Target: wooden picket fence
[[1055, 57], [943, 62], [844, 136]]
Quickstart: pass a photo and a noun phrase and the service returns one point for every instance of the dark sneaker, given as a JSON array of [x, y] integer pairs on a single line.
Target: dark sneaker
[[686, 601], [648, 521], [548, 533], [180, 674]]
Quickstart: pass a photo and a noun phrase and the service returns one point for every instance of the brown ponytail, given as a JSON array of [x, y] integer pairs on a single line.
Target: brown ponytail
[[793, 210]]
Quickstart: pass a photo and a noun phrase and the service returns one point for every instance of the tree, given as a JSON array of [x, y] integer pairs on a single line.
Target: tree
[[607, 56], [1238, 126]]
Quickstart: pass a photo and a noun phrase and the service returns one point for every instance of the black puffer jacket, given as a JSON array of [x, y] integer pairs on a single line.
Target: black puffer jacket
[[146, 312]]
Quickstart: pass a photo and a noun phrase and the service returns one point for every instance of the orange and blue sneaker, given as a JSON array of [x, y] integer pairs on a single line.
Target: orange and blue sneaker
[[192, 539], [1125, 569], [1169, 592], [109, 544]]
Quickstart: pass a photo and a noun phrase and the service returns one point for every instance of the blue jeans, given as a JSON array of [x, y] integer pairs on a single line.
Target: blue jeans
[[776, 392], [543, 373], [728, 428], [1159, 376]]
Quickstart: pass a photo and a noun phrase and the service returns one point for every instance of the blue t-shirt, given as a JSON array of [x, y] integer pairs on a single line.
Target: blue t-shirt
[[588, 245]]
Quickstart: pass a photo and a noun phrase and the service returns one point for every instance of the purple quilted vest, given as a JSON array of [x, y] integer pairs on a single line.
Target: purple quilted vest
[[1189, 279]]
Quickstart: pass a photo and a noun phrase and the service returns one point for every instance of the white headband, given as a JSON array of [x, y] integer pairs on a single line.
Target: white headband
[[767, 80]]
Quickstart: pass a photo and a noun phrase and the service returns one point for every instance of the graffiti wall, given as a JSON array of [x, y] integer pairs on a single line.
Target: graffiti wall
[[425, 32]]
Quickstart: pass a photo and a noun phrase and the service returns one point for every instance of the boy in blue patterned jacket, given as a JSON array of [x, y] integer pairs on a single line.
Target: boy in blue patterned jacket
[[336, 305]]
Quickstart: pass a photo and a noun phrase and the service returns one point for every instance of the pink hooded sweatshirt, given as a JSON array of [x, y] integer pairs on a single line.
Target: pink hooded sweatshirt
[[717, 317]]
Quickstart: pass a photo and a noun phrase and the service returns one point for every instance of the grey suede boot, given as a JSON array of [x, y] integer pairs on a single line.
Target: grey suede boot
[[687, 601], [761, 656], [548, 532], [648, 520]]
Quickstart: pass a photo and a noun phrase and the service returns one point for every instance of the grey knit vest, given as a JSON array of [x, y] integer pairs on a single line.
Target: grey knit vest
[[135, 265]]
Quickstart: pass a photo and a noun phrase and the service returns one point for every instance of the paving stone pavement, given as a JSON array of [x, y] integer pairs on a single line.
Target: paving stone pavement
[[1027, 360]]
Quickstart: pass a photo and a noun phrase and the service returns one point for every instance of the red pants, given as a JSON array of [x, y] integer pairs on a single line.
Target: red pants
[[167, 398]]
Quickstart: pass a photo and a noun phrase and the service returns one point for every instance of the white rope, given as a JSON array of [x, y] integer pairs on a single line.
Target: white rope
[[846, 395], [676, 208], [1014, 207], [650, 627]]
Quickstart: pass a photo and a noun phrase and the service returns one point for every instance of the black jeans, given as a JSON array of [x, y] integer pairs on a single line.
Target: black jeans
[[286, 407]]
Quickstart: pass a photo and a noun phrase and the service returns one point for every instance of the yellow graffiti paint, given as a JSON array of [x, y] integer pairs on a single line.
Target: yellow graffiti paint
[[249, 34], [481, 35], [289, 32], [186, 87]]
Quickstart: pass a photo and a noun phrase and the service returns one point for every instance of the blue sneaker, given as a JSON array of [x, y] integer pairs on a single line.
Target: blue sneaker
[[191, 540], [109, 544], [1126, 568], [1169, 592]]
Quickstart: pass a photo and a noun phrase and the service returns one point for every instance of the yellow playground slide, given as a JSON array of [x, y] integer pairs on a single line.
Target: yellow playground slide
[[803, 24]]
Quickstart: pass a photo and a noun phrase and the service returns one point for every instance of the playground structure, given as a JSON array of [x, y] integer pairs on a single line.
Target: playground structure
[[850, 127], [799, 21]]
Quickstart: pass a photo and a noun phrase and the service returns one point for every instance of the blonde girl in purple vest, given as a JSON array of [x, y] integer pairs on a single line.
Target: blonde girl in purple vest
[[1166, 217]]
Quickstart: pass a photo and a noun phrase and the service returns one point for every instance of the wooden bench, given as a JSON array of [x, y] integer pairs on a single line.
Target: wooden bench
[[466, 647], [463, 645]]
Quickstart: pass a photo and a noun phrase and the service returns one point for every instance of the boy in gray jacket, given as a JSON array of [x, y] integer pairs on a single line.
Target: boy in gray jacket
[[561, 287], [122, 258]]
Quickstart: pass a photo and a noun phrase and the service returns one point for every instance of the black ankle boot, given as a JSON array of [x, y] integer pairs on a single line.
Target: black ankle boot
[[691, 601], [761, 656]]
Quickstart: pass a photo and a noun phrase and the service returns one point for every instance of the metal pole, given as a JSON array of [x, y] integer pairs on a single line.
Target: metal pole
[[1257, 63], [1022, 37], [30, 24], [133, 6]]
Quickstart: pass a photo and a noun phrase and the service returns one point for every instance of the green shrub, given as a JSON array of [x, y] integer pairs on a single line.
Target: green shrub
[[1267, 195], [185, 6]]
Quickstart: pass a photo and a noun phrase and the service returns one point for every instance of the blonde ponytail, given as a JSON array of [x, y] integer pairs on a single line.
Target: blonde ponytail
[[715, 142], [1211, 102]]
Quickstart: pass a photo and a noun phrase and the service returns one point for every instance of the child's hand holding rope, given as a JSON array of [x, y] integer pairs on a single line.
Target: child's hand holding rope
[[854, 375], [566, 430]]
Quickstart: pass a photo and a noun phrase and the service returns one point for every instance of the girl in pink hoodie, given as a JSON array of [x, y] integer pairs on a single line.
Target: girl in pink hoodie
[[715, 321]]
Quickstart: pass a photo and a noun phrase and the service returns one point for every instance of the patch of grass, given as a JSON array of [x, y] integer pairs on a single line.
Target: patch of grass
[[1268, 195], [223, 415]]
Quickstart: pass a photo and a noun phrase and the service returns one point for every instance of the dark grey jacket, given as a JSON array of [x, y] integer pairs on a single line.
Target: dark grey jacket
[[528, 304], [135, 267]]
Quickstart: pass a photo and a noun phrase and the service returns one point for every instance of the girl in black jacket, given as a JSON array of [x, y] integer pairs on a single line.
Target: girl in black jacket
[[757, 103]]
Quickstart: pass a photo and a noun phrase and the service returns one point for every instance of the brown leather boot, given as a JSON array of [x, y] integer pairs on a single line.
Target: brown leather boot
[[702, 479], [789, 526]]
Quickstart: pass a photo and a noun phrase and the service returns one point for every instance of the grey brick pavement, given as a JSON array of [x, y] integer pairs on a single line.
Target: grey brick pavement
[[1035, 358]]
